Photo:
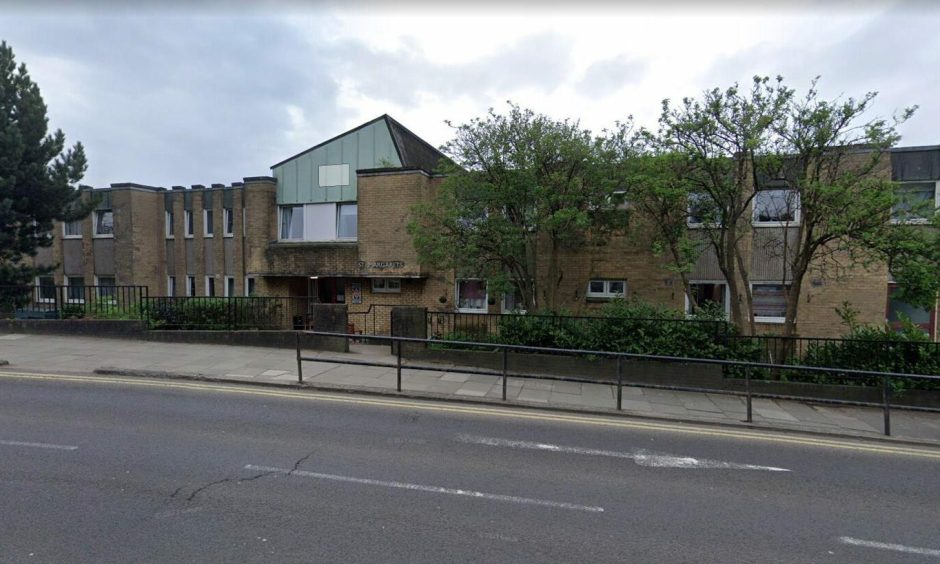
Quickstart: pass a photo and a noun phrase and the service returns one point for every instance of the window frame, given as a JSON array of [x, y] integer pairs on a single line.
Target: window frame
[[208, 223], [918, 220], [169, 223], [486, 296], [65, 232], [189, 226], [249, 289], [280, 222], [171, 285], [225, 287], [339, 215], [764, 318], [776, 223], [39, 286], [68, 298], [606, 294], [384, 288], [931, 324], [96, 215], [190, 285], [727, 294], [228, 220], [210, 286]]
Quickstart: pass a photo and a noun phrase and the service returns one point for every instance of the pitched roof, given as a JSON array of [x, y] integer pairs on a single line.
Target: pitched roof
[[413, 151]]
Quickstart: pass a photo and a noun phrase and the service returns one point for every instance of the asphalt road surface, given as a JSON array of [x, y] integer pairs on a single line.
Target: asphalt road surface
[[94, 469]]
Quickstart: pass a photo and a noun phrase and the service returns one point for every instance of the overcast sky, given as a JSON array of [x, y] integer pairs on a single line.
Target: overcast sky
[[176, 95]]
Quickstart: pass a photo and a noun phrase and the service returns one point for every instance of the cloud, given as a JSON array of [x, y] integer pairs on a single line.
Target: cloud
[[606, 77]]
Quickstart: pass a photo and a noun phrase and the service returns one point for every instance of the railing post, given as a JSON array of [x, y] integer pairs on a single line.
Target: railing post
[[300, 370], [619, 383], [747, 390], [886, 397], [398, 354], [505, 365]]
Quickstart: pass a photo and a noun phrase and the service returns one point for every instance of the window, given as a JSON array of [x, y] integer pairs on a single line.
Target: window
[[228, 222], [471, 296], [190, 285], [249, 286], [916, 202], [104, 223], [897, 310], [769, 302], [346, 221], [75, 290], [334, 175], [714, 293], [229, 286], [701, 209], [105, 286], [169, 224], [45, 289], [292, 223], [72, 229], [207, 223], [386, 285], [776, 206], [188, 220], [171, 285], [512, 302], [606, 289], [210, 286]]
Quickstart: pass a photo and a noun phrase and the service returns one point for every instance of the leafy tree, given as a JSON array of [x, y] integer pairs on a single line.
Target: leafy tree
[[523, 189], [37, 177]]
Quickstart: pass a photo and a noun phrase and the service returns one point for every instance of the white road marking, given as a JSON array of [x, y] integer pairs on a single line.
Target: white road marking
[[38, 445], [429, 489], [889, 546], [640, 457]]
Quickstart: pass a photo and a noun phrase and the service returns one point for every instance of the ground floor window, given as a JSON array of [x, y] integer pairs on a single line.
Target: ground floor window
[[210, 286], [75, 291], [105, 286], [386, 285], [249, 286], [713, 293], [45, 289], [769, 302], [606, 289], [229, 286], [471, 295], [918, 316], [190, 285], [171, 285], [513, 302]]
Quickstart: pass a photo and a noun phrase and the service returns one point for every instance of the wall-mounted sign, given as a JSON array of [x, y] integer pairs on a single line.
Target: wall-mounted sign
[[355, 289], [382, 265]]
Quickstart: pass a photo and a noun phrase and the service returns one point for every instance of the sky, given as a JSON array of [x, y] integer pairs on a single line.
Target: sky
[[181, 93]]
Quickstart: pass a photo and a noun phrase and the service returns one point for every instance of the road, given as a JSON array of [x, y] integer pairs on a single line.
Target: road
[[120, 470]]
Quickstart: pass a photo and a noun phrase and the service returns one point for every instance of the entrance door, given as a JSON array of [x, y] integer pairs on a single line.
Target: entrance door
[[331, 290]]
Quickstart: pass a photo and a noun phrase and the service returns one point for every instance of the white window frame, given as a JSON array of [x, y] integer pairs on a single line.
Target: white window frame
[[207, 286], [228, 216], [206, 229], [280, 222], [919, 220], [767, 319], [171, 285], [248, 285], [39, 298], [190, 285], [169, 221], [486, 298], [97, 235], [688, 302], [65, 233], [381, 286], [606, 294], [189, 226], [225, 291], [339, 207], [776, 223], [70, 300]]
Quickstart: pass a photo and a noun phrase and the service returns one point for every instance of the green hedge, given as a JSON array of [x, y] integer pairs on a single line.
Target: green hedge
[[214, 314]]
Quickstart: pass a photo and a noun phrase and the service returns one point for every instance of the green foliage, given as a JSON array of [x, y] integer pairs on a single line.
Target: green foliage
[[214, 313], [37, 174]]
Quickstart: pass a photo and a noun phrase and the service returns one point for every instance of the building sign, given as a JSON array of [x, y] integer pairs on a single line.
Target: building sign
[[383, 265], [355, 289]]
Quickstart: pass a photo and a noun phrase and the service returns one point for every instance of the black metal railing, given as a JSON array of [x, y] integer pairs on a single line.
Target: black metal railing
[[229, 313], [374, 320], [72, 302], [748, 369]]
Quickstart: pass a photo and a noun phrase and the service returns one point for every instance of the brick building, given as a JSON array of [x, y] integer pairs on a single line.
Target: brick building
[[330, 223]]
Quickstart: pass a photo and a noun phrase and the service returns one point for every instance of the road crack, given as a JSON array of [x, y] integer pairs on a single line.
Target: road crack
[[239, 480]]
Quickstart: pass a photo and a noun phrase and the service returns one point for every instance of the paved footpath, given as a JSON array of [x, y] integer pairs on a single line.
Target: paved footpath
[[279, 366]]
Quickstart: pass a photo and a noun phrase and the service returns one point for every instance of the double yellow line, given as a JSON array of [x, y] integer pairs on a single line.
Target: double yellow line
[[503, 412]]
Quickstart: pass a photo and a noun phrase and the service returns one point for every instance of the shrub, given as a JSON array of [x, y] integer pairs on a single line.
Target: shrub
[[214, 313]]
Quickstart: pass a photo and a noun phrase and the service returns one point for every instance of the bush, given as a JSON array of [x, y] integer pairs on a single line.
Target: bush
[[214, 314]]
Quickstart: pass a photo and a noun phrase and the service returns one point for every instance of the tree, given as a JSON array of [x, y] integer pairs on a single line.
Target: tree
[[522, 186], [37, 179]]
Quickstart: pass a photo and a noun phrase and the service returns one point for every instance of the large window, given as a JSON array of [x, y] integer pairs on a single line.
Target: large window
[[917, 202], [776, 206], [72, 229], [606, 289], [207, 222], [386, 285], [471, 296], [45, 289], [104, 223], [347, 216], [334, 175], [898, 310], [292, 223], [75, 291], [705, 294], [105, 286], [228, 222], [769, 302], [169, 223]]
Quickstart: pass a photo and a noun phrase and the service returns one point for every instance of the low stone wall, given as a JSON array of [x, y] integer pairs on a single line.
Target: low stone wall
[[274, 339], [130, 329]]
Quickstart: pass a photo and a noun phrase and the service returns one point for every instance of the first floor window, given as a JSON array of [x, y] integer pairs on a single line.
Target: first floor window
[[104, 223], [169, 224], [769, 302], [512, 302], [249, 286], [106, 287], [779, 205], [45, 289], [229, 286], [705, 294], [72, 229], [210, 286], [347, 216], [228, 221], [386, 285], [75, 292], [188, 223], [208, 226], [171, 285], [292, 223], [471, 296], [607, 289], [898, 311], [916, 202], [190, 285]]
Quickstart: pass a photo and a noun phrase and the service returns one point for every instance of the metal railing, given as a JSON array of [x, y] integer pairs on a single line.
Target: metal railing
[[747, 368], [228, 313], [72, 302], [374, 320]]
